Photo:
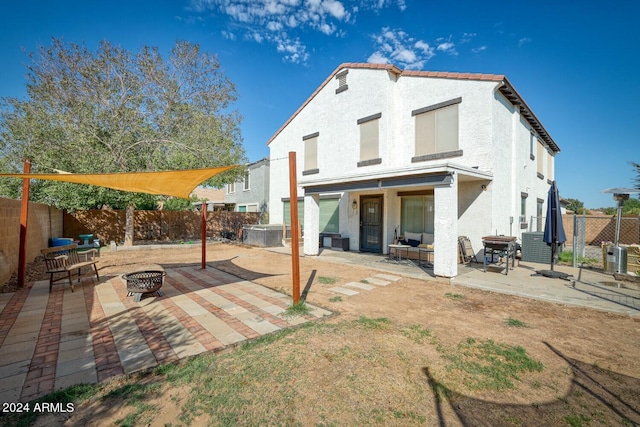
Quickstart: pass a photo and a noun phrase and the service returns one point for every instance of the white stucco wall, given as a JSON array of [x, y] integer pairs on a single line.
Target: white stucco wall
[[513, 169], [335, 117], [492, 135]]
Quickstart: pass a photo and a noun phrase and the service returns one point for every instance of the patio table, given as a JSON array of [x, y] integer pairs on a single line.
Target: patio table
[[397, 253]]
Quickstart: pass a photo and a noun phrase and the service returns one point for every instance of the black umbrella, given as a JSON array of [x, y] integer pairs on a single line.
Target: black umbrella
[[553, 229]]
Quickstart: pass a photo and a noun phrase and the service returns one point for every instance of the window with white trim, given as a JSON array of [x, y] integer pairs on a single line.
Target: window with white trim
[[246, 182]]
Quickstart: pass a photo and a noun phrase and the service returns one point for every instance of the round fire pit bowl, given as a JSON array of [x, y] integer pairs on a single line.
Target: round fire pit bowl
[[144, 282]]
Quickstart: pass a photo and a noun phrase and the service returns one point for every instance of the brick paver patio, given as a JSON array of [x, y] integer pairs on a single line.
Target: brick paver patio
[[50, 341]]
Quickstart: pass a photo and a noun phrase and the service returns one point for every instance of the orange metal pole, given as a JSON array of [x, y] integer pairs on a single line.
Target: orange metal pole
[[295, 238], [203, 228], [24, 215]]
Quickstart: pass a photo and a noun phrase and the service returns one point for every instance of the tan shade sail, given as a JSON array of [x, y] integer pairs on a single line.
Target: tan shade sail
[[178, 183]]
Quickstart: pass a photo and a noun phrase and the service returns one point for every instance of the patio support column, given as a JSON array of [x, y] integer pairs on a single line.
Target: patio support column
[[445, 236], [311, 223]]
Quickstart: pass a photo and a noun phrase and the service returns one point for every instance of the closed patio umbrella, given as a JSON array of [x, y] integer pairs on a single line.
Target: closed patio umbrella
[[554, 234]]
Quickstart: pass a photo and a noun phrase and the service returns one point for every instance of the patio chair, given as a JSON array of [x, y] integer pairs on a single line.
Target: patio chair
[[467, 254]]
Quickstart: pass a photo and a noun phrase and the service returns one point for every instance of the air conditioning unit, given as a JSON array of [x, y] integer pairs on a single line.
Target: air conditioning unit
[[534, 249]]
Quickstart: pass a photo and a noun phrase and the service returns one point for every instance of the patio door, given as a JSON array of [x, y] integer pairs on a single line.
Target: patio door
[[371, 224]]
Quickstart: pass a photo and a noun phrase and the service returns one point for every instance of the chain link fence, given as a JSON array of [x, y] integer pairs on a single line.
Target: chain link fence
[[588, 234]]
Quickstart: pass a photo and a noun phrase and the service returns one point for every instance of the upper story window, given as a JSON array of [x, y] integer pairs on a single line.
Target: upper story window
[[532, 144], [540, 168], [310, 153], [342, 81], [369, 140], [550, 164], [246, 183], [436, 131], [231, 188]]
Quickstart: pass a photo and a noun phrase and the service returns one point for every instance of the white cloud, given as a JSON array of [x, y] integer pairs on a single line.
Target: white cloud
[[479, 49], [285, 23], [336, 9], [377, 58], [257, 37], [445, 45], [448, 48], [274, 26], [524, 40], [396, 46], [294, 51], [262, 18], [381, 4], [466, 38], [228, 35]]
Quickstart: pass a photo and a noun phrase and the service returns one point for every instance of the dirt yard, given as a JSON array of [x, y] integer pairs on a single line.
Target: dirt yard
[[591, 359]]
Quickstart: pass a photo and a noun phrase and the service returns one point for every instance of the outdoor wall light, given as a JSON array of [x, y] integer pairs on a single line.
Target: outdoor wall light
[[354, 204]]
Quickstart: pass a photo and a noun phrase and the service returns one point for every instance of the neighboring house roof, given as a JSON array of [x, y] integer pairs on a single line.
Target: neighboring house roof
[[211, 194], [506, 89], [258, 163]]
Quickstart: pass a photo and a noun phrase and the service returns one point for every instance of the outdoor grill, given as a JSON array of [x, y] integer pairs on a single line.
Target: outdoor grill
[[503, 246], [144, 282]]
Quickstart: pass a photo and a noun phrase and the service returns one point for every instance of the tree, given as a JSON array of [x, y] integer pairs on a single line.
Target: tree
[[576, 206], [631, 207], [637, 179], [176, 204], [117, 111]]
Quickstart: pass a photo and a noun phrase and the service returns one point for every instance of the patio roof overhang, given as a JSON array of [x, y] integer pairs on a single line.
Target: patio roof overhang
[[421, 176]]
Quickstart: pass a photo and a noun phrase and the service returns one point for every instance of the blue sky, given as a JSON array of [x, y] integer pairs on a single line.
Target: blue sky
[[574, 62]]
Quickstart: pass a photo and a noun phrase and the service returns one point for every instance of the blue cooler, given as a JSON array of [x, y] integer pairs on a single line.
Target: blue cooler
[[61, 241]]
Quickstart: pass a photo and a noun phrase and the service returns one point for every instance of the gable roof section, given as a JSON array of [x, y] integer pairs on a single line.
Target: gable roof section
[[506, 89]]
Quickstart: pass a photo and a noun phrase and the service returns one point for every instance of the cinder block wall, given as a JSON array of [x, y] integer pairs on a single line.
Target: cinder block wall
[[153, 226], [44, 222]]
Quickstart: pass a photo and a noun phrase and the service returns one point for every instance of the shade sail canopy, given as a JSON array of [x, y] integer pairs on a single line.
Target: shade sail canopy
[[177, 183]]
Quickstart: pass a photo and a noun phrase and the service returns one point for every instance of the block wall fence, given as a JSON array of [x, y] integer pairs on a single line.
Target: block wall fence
[[153, 226], [46, 222]]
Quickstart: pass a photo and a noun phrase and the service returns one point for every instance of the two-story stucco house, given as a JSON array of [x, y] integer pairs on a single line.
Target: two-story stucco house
[[382, 152], [251, 192]]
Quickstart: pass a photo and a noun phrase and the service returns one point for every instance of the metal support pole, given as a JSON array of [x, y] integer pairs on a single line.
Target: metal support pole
[[295, 240], [24, 215], [203, 229], [618, 222], [574, 260]]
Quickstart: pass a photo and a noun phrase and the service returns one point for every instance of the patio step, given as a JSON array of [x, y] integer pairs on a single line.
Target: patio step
[[368, 284], [286, 242]]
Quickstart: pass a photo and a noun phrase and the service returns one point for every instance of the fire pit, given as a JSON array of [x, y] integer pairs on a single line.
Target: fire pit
[[144, 282]]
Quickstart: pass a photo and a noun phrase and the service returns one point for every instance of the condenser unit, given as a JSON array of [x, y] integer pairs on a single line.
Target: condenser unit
[[534, 249]]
